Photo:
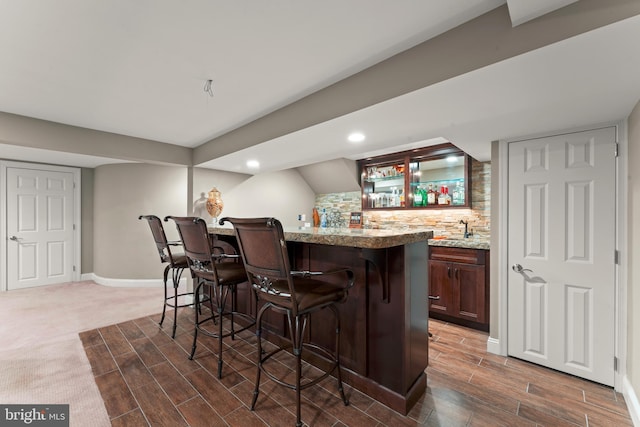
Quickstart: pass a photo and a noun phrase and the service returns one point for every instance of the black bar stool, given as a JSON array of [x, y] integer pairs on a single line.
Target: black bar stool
[[176, 263], [220, 273], [297, 294]]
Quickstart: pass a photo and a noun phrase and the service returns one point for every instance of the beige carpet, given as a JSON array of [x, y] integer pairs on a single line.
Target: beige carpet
[[42, 360]]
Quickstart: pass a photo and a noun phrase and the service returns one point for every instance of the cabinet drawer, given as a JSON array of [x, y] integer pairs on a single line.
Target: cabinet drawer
[[462, 255]]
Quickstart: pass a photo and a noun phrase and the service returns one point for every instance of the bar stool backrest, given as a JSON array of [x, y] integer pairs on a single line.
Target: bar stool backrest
[[160, 238], [264, 252], [197, 244]]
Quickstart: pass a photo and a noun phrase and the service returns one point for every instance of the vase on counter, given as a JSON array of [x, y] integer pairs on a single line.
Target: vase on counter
[[316, 218], [214, 203]]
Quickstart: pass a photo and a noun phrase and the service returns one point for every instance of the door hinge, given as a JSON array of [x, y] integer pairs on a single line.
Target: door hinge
[[615, 364], [74, 227], [616, 257], [616, 150], [74, 268]]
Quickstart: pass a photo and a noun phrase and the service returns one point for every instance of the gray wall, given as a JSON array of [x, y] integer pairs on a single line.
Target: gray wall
[[35, 133], [282, 194], [494, 284], [123, 247], [86, 220], [633, 232], [333, 176]]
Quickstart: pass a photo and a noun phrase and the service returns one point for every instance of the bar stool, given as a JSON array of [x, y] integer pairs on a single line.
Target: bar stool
[[297, 294], [220, 273], [176, 263]]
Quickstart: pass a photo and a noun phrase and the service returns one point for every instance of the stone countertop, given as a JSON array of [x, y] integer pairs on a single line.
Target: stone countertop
[[470, 243], [350, 237]]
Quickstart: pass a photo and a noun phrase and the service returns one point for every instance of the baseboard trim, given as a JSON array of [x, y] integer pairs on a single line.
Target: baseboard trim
[[631, 399], [128, 283], [493, 346]]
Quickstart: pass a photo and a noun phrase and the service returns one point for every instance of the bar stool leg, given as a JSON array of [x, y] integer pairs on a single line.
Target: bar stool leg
[[296, 336], [337, 357], [196, 324], [220, 311], [256, 390], [175, 307], [233, 309], [164, 305]]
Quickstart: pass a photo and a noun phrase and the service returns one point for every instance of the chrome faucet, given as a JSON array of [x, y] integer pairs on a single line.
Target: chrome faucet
[[467, 234]]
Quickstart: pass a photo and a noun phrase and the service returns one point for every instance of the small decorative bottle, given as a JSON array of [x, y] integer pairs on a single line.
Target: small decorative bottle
[[323, 219], [316, 218]]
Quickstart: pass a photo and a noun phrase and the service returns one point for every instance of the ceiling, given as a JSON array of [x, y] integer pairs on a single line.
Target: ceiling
[[139, 69]]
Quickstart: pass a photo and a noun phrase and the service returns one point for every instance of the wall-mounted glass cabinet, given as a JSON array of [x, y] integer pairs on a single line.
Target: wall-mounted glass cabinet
[[383, 185], [433, 177]]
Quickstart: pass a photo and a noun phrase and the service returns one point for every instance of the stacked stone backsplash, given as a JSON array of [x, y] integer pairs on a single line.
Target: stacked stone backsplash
[[443, 222], [339, 206]]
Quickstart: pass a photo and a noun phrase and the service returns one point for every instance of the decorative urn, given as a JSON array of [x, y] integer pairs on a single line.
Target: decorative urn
[[214, 203]]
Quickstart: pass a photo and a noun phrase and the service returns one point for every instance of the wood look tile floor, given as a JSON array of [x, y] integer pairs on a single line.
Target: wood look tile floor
[[146, 379]]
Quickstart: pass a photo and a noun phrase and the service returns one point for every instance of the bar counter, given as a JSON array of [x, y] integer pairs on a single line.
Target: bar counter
[[352, 237], [384, 331]]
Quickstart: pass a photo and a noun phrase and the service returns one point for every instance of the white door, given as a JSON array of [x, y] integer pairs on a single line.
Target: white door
[[561, 283], [40, 227]]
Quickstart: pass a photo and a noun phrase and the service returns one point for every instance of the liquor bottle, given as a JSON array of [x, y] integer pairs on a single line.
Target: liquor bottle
[[442, 200], [424, 196], [417, 197], [447, 196], [323, 218], [401, 198], [456, 194], [460, 189], [396, 197], [431, 195]]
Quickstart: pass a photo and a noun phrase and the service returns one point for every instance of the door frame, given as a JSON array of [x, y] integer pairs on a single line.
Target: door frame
[[77, 249], [497, 342]]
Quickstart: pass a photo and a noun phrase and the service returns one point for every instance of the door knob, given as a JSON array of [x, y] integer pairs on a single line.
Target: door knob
[[14, 238], [519, 269]]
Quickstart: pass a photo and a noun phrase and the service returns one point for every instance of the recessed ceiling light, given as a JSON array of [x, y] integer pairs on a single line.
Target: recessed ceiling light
[[253, 164], [356, 137]]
